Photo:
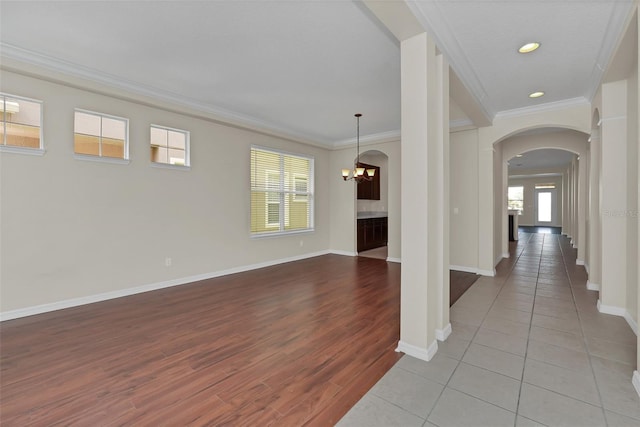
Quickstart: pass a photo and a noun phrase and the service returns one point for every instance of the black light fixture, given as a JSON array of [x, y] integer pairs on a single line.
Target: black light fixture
[[359, 174]]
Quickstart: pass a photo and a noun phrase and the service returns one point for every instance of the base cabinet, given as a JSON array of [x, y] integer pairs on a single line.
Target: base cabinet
[[372, 233]]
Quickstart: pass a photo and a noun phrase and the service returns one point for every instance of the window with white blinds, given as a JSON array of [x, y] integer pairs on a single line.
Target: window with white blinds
[[281, 192]]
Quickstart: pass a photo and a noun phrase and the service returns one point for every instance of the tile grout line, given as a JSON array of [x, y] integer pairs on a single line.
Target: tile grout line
[[584, 339], [472, 338], [526, 351]]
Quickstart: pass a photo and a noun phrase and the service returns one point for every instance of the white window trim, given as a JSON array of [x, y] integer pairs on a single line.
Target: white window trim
[[100, 158], [187, 150], [311, 188], [270, 202], [25, 150], [172, 167]]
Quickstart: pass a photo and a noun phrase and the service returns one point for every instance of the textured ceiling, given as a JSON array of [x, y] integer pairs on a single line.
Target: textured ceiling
[[481, 39], [303, 68], [540, 159]]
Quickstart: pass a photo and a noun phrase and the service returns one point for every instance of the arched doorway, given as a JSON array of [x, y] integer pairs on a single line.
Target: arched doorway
[[372, 207], [553, 152], [535, 189]]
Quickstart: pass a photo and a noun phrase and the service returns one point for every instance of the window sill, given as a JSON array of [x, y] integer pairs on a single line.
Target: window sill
[[98, 159], [280, 233], [168, 166], [22, 150]]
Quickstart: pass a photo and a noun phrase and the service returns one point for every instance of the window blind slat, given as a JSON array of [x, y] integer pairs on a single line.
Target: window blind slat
[[281, 192]]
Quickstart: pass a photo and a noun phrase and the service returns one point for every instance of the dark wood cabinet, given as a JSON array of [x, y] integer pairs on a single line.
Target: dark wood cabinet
[[369, 190], [372, 233]]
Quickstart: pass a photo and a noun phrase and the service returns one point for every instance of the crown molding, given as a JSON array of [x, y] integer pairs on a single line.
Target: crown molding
[[539, 108], [619, 19], [434, 21], [150, 95], [374, 138], [458, 123], [535, 175]]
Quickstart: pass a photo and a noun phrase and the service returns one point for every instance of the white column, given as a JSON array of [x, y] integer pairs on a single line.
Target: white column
[[442, 163], [565, 203], [423, 148], [595, 253], [636, 373], [485, 206], [582, 209], [613, 199], [576, 205], [504, 209]]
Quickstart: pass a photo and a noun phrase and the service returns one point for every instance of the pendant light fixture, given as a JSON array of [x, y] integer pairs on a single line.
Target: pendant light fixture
[[359, 174]]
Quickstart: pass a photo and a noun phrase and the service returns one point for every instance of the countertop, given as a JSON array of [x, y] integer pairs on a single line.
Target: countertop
[[367, 215]]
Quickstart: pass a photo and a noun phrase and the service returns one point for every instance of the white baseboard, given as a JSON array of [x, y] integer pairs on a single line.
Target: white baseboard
[[418, 352], [619, 311], [611, 309], [505, 255], [579, 262], [339, 252], [632, 323], [586, 267], [497, 260], [490, 273], [635, 380], [90, 299], [593, 286], [398, 260], [443, 334], [463, 269]]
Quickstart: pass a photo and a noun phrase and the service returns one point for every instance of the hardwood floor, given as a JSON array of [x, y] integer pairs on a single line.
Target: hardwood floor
[[288, 345]]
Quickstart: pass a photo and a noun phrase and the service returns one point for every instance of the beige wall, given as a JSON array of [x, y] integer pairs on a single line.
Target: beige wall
[[528, 214], [74, 229]]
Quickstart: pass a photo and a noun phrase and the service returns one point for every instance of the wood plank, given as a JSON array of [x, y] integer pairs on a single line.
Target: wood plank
[[290, 344]]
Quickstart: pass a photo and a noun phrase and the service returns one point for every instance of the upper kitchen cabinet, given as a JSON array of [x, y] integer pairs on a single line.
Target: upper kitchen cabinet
[[369, 190]]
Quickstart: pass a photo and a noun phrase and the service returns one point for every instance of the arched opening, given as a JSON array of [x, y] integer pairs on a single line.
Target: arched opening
[[554, 160], [372, 207], [535, 190]]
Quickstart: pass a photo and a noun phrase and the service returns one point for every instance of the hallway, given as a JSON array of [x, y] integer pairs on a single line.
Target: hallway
[[528, 347]]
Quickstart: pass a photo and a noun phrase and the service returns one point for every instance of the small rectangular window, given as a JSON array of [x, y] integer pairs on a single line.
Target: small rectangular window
[[21, 123], [169, 146], [100, 135], [545, 186], [281, 192]]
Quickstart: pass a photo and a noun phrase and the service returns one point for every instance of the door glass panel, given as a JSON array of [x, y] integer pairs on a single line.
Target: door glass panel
[[544, 207]]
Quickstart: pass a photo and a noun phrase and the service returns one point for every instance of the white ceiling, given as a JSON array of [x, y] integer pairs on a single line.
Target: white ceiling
[[547, 158], [303, 68]]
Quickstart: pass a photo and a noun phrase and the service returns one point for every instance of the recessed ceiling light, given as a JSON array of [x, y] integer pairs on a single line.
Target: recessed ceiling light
[[518, 155], [536, 94], [529, 47]]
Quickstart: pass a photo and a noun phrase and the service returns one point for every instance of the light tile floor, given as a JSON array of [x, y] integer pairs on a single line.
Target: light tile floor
[[528, 348]]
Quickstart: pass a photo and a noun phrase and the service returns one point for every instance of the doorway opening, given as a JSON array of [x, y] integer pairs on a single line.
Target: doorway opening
[[546, 209], [372, 208]]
